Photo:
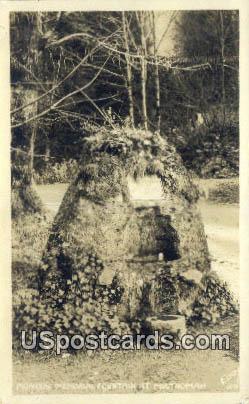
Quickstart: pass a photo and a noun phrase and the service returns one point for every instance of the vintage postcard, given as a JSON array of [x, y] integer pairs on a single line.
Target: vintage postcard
[[124, 218]]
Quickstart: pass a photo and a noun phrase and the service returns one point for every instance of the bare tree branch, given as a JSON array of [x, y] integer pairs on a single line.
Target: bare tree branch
[[95, 99], [132, 55], [95, 66], [59, 101], [98, 109], [56, 86], [28, 71], [63, 80]]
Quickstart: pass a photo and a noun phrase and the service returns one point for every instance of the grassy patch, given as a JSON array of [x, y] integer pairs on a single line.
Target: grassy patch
[[130, 371], [225, 191]]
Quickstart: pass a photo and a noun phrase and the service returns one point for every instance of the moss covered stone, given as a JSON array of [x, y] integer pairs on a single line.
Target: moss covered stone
[[144, 249]]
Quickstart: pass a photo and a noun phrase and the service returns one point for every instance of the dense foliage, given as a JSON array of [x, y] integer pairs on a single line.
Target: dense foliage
[[212, 149], [52, 172], [75, 64]]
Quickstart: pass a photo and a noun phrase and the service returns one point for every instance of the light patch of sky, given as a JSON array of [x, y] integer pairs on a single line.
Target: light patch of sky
[[162, 23]]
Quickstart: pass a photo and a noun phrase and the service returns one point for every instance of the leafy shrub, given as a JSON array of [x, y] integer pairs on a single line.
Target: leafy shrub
[[212, 149], [206, 303], [54, 172], [225, 192], [218, 167], [29, 236], [72, 305], [214, 301]]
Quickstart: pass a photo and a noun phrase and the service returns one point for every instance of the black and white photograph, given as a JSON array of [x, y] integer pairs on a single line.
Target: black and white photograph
[[124, 161]]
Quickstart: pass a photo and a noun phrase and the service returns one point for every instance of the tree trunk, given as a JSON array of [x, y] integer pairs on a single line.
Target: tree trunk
[[24, 197], [32, 151], [144, 98], [33, 59], [222, 51], [157, 79], [158, 104], [47, 150], [128, 70], [144, 72]]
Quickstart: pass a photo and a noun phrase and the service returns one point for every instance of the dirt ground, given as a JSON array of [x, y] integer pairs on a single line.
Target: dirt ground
[[127, 372], [146, 371], [131, 371]]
